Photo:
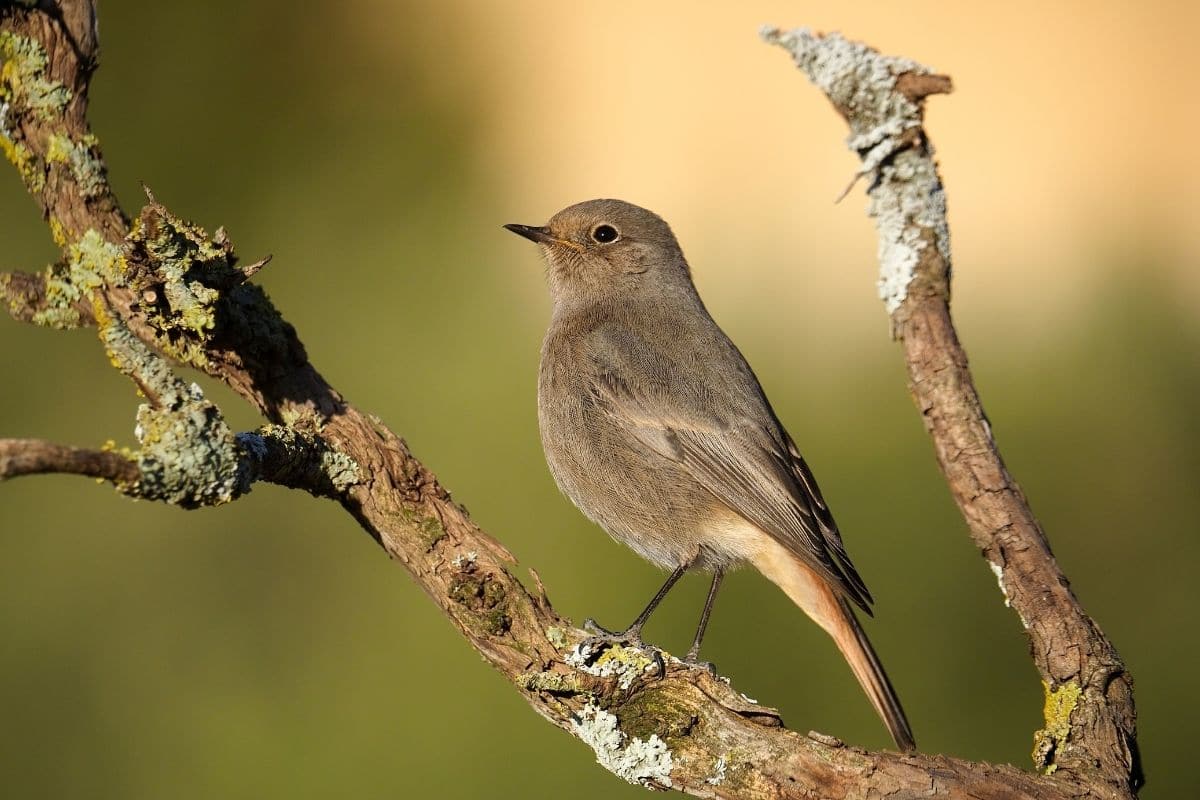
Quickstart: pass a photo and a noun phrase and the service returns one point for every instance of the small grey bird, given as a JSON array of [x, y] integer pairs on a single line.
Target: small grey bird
[[656, 428]]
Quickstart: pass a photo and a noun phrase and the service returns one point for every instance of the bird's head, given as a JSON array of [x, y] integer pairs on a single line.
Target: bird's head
[[609, 248]]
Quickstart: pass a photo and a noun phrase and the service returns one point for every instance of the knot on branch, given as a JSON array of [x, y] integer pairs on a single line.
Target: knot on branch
[[188, 455], [178, 275]]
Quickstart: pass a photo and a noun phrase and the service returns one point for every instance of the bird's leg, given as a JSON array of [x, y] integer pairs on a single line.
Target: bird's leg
[[693, 652], [633, 633]]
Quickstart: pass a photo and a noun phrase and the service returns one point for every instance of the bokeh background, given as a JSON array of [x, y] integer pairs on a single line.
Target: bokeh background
[[269, 648]]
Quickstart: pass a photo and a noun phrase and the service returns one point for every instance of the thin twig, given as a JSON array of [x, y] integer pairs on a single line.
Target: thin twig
[[38, 456]]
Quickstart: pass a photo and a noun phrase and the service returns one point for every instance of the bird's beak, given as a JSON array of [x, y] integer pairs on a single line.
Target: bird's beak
[[532, 233]]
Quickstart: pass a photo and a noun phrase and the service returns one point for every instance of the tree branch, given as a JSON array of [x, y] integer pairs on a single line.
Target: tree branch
[[1091, 724], [44, 300], [167, 292], [37, 456]]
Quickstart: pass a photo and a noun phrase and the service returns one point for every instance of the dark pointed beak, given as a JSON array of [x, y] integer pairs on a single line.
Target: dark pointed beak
[[533, 234]]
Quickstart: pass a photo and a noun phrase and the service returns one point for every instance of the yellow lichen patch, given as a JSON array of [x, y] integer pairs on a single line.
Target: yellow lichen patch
[[27, 163], [81, 159], [23, 80], [57, 232], [552, 682], [1060, 704], [91, 263], [630, 657]]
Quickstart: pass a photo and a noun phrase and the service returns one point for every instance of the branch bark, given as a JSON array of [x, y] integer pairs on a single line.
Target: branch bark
[[1091, 723], [37, 456], [166, 292]]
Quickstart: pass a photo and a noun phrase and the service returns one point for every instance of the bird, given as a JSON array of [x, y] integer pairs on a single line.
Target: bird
[[655, 426]]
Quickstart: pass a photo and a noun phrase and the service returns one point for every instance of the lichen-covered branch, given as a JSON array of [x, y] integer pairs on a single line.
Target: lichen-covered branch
[[37, 456], [44, 299], [285, 456], [1091, 725], [163, 292]]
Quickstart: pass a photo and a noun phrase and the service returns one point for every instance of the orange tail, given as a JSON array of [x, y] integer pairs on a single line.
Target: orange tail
[[833, 613]]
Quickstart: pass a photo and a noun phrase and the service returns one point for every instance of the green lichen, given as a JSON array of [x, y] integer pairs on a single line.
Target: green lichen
[[429, 529], [557, 637], [656, 711], [25, 89], [296, 458], [486, 599], [91, 262], [342, 471], [551, 682], [82, 159], [23, 79], [1049, 741], [188, 455], [178, 271]]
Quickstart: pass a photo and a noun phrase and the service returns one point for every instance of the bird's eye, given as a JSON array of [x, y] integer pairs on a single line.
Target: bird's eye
[[605, 234]]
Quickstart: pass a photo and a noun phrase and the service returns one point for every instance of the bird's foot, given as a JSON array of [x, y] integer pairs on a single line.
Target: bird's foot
[[692, 659], [602, 639], [591, 626]]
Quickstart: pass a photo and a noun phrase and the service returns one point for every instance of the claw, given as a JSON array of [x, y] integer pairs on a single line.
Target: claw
[[602, 639], [692, 659], [591, 626]]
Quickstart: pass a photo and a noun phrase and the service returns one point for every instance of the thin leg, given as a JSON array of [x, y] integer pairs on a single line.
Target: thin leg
[[658, 598], [634, 631], [694, 652]]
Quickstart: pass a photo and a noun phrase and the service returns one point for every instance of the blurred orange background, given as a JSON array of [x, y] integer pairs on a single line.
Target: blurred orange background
[[268, 648]]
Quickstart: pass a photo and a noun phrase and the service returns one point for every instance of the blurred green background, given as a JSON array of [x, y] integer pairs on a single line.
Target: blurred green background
[[268, 648]]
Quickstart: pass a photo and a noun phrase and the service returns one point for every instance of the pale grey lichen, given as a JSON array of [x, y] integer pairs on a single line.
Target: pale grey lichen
[[187, 455], [342, 470], [643, 761], [907, 205], [998, 571], [284, 455], [91, 262], [82, 159], [557, 637], [24, 80], [907, 201], [718, 773], [626, 664]]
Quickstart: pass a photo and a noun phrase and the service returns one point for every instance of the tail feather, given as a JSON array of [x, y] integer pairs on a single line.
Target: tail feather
[[864, 662], [833, 613]]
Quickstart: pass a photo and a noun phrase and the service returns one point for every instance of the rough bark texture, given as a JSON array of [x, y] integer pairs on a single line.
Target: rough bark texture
[[34, 456], [1091, 723], [163, 292]]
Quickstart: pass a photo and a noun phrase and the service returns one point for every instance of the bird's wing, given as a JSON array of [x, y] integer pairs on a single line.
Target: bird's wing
[[728, 438]]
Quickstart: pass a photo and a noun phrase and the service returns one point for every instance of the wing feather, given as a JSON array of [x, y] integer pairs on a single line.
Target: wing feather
[[733, 446]]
